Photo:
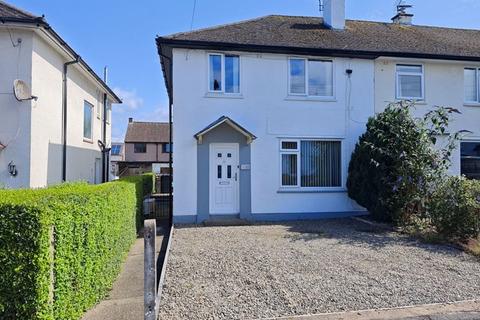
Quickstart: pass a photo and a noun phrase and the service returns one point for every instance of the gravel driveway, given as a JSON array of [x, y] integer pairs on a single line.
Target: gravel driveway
[[265, 270]]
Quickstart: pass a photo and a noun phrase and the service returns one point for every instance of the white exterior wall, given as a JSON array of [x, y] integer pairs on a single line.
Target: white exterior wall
[[265, 109], [15, 116], [37, 150], [444, 86], [47, 70]]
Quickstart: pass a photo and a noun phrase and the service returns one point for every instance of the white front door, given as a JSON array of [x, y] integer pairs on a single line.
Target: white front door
[[224, 178]]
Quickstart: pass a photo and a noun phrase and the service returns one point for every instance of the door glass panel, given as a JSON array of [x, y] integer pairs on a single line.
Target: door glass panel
[[219, 172], [229, 172]]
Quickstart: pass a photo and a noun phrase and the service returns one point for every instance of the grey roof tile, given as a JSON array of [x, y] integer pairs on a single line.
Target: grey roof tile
[[149, 132], [363, 36]]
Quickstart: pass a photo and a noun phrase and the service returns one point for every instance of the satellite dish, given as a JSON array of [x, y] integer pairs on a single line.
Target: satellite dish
[[22, 91]]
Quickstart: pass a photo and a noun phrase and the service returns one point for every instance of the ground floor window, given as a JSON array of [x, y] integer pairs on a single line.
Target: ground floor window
[[470, 159], [310, 163]]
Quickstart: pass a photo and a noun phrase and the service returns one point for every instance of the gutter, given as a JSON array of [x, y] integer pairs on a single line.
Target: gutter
[[65, 109], [362, 54]]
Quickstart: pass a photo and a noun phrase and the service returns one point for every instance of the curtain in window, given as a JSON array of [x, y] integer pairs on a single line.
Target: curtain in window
[[320, 78], [470, 78], [289, 169], [297, 76], [320, 163], [232, 74], [215, 72], [410, 86]]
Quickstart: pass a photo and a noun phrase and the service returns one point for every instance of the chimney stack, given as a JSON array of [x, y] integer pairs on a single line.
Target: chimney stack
[[130, 120], [402, 16], [334, 14]]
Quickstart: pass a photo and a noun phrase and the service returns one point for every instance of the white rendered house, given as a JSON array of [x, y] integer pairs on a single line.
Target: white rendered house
[[52, 134], [267, 111]]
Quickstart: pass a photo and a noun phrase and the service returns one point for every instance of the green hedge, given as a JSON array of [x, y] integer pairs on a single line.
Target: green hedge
[[61, 248], [145, 185]]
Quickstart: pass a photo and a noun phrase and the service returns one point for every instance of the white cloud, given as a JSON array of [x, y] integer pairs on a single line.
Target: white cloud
[[131, 101]]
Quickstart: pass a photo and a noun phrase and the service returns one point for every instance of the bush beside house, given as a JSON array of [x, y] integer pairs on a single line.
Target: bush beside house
[[62, 247], [398, 171]]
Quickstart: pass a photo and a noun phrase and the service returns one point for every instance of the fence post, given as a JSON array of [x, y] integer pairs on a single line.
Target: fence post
[[150, 268]]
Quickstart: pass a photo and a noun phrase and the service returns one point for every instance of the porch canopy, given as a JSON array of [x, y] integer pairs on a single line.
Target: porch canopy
[[224, 119]]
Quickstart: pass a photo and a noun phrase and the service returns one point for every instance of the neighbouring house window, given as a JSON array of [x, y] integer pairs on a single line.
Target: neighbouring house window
[[471, 85], [166, 148], [140, 148], [410, 83], [116, 149], [224, 73], [310, 163], [87, 120], [311, 77], [470, 159]]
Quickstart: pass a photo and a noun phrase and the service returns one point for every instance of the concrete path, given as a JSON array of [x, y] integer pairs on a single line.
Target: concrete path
[[465, 310], [125, 301]]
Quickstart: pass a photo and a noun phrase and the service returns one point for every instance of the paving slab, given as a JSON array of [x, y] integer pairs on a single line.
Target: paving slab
[[125, 301]]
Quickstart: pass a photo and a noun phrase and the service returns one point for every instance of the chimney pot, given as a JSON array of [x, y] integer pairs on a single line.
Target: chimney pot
[[334, 14], [402, 16]]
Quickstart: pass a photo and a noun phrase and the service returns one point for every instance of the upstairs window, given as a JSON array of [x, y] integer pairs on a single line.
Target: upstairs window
[[166, 148], [410, 82], [140, 148], [471, 85], [87, 120], [224, 73], [311, 77]]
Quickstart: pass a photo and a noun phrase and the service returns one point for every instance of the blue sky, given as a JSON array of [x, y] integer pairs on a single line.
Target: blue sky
[[121, 33]]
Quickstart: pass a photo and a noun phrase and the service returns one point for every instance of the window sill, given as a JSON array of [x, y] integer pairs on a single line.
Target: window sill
[[309, 98], [224, 95], [415, 102], [313, 190], [471, 104], [88, 140]]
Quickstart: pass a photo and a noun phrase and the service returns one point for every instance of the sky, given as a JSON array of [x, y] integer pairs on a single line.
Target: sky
[[121, 34]]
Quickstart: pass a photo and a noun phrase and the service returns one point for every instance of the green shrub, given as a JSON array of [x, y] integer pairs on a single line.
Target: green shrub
[[395, 164], [145, 185], [61, 248], [455, 208]]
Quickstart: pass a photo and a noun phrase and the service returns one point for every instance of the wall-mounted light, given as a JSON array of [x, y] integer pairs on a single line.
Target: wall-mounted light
[[12, 169], [2, 146]]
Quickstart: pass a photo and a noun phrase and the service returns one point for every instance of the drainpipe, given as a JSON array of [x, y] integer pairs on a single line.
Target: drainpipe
[[104, 137], [64, 102]]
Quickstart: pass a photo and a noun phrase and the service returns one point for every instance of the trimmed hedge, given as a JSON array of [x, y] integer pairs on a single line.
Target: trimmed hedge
[[144, 184], [61, 248]]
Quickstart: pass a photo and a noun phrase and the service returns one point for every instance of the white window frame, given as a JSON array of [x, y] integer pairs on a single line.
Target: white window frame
[[109, 112], [92, 108], [222, 64], [397, 82], [477, 85], [306, 77], [298, 186]]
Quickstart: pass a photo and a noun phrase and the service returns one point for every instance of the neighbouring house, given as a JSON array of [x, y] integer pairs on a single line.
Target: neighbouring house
[[117, 154], [146, 148], [267, 111], [54, 109]]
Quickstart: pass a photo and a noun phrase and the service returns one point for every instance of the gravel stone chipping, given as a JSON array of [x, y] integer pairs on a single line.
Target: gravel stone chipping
[[308, 267]]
